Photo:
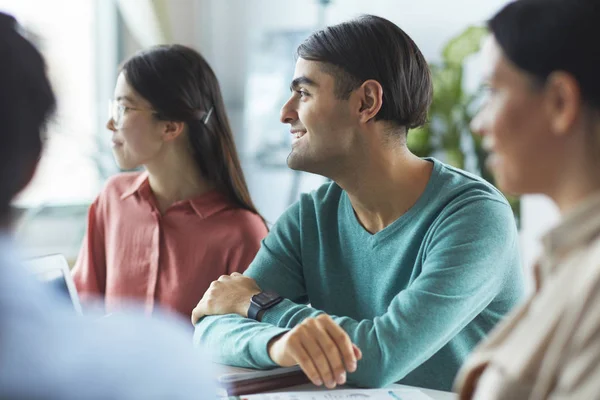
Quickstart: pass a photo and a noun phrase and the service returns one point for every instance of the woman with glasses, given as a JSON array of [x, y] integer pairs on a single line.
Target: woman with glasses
[[542, 126], [161, 236]]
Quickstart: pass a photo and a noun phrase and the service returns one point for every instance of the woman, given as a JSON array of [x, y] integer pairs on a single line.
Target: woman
[[163, 235], [542, 126]]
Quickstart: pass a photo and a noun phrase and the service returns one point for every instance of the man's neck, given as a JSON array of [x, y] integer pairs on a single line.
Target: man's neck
[[386, 187], [176, 177]]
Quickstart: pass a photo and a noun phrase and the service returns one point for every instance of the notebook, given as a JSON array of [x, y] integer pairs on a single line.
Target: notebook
[[240, 381]]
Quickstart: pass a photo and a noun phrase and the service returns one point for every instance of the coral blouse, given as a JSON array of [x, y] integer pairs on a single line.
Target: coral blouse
[[132, 252]]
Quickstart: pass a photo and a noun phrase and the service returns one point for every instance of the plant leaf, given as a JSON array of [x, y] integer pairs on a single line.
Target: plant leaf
[[462, 46]]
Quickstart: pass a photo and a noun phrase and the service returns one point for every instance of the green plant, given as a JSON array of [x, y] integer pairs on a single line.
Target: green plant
[[447, 134]]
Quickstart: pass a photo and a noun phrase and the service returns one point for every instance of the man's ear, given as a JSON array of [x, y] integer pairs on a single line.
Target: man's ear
[[172, 130], [371, 99], [562, 102]]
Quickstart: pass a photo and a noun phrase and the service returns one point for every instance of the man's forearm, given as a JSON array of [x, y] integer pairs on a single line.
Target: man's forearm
[[237, 341]]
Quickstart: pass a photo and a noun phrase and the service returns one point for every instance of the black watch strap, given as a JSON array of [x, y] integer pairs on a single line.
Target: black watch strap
[[261, 302], [254, 310], [260, 315]]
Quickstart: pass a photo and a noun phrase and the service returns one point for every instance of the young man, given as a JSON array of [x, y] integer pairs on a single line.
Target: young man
[[46, 351], [407, 260]]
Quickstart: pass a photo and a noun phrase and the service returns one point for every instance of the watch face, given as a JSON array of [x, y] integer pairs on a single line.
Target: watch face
[[263, 299]]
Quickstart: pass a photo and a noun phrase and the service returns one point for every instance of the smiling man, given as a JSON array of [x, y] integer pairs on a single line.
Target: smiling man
[[406, 262]]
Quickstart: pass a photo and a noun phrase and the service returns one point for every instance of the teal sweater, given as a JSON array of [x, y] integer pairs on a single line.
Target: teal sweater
[[415, 297]]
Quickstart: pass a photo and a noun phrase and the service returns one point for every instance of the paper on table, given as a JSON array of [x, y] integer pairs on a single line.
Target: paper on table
[[349, 394]]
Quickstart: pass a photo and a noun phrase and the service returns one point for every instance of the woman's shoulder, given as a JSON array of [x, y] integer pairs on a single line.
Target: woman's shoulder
[[123, 183], [246, 222]]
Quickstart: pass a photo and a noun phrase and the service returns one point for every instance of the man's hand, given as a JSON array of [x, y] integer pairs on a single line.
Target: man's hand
[[321, 348], [230, 294]]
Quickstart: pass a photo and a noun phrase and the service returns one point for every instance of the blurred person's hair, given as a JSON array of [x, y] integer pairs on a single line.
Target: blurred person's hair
[[371, 47], [544, 36], [181, 86], [26, 104]]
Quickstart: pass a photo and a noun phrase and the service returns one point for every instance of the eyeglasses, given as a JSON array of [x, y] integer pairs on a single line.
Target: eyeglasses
[[116, 111]]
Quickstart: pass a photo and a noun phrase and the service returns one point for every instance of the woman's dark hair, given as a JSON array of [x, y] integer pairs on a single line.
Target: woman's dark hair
[[181, 86], [371, 47], [26, 103], [543, 36]]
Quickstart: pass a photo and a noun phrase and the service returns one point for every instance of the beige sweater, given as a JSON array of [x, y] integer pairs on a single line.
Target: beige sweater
[[550, 347]]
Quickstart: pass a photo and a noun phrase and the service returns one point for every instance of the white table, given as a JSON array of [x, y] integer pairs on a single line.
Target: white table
[[434, 394]]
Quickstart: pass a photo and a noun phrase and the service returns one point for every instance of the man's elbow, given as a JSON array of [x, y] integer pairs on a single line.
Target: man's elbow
[[201, 329], [198, 335]]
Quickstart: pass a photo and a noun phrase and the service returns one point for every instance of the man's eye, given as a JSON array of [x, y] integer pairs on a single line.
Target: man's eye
[[302, 92]]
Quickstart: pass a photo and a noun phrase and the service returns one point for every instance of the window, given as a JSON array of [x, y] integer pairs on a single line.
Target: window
[[64, 31], [78, 40]]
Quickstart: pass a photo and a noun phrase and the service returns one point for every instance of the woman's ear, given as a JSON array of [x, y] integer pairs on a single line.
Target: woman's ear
[[563, 102], [172, 130], [371, 100]]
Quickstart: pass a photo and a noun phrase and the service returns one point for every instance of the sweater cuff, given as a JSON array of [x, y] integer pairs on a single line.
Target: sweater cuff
[[276, 314], [258, 346]]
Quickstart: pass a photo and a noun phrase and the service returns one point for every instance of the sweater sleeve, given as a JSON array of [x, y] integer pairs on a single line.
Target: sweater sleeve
[[472, 251]]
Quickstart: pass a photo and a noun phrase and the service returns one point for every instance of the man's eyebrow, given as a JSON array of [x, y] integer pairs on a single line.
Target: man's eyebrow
[[302, 80]]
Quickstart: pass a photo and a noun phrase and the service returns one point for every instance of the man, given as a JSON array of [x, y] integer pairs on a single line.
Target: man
[[46, 351], [405, 260]]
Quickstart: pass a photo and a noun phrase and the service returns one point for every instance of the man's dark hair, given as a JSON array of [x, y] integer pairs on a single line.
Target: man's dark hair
[[26, 103], [543, 36], [371, 47]]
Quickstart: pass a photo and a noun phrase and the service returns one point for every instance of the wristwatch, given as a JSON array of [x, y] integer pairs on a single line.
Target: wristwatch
[[261, 302]]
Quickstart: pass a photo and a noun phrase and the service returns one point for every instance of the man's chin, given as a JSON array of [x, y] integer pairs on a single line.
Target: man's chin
[[297, 162], [302, 164]]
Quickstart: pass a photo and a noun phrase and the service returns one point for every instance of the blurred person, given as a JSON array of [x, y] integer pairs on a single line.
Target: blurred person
[[541, 123], [407, 262], [47, 351], [161, 236]]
